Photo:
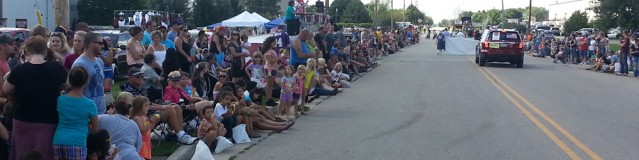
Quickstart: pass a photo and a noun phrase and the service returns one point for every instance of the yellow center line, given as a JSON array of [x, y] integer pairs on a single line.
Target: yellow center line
[[532, 118], [563, 131]]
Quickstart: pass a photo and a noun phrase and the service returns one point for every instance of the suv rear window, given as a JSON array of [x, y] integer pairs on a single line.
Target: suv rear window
[[499, 36]]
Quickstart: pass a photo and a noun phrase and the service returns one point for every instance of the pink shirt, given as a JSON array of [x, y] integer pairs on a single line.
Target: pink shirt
[[269, 66], [175, 94], [299, 84], [4, 66]]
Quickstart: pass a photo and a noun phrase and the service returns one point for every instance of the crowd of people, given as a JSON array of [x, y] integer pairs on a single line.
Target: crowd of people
[[589, 49], [56, 94]]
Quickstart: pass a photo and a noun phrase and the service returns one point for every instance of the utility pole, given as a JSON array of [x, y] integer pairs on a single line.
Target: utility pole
[[62, 13], [529, 15], [404, 14], [503, 19], [391, 15]]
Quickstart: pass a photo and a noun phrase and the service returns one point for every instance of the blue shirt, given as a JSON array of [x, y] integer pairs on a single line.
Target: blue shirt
[[168, 44], [146, 40], [95, 89], [171, 35], [124, 133], [297, 60], [73, 126]]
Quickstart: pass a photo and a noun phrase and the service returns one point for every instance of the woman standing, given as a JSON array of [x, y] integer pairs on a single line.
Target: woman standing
[[58, 44], [78, 49], [135, 52], [218, 45], [35, 121], [268, 48], [184, 47], [202, 40], [237, 62], [158, 49]]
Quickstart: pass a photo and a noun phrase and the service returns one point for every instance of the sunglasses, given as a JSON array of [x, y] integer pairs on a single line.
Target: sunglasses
[[222, 76], [100, 43]]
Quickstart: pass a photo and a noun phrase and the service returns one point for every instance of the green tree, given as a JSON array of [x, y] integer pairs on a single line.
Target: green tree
[[413, 14], [267, 8], [538, 13], [612, 13], [171, 6], [465, 14], [513, 13], [428, 20], [479, 17], [355, 13], [100, 12], [201, 12], [493, 17], [339, 6], [576, 21], [445, 23]]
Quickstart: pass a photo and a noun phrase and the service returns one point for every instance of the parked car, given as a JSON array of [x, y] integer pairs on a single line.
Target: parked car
[[500, 45], [588, 31], [19, 33], [614, 34], [119, 39], [555, 31]]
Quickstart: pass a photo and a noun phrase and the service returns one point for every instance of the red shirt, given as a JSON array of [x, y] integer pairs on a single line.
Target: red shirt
[[69, 59], [583, 44], [175, 94]]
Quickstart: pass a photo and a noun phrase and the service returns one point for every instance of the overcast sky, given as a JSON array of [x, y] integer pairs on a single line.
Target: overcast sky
[[445, 9]]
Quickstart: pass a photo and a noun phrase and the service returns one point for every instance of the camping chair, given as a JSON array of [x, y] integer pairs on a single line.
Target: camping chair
[[161, 130]]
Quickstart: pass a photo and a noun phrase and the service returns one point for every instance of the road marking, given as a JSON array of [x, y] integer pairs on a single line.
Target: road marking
[[544, 129], [563, 131]]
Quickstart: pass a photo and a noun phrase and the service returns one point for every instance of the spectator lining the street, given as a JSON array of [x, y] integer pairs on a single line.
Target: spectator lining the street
[[149, 28], [634, 52], [184, 47], [203, 81], [157, 48], [210, 129], [139, 112], [237, 60], [77, 114], [58, 44], [95, 67], [124, 132], [135, 52], [34, 122], [166, 42], [286, 95], [256, 71], [152, 80], [271, 68], [107, 56], [98, 146], [78, 49]]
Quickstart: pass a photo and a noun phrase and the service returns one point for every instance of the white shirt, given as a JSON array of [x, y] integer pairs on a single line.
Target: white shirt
[[219, 111], [593, 42], [460, 34]]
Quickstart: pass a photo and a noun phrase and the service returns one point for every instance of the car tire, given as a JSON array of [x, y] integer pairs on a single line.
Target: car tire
[[476, 60], [482, 61], [520, 64]]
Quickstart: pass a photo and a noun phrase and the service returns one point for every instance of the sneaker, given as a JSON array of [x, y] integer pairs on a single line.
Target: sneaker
[[270, 102], [187, 139]]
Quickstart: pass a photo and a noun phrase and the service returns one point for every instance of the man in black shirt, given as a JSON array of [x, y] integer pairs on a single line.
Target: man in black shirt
[[319, 41], [625, 49]]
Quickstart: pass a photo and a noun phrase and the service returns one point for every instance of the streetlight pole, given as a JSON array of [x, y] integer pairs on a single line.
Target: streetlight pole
[[391, 14]]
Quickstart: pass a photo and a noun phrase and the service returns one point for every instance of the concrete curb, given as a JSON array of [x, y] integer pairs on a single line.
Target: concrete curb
[[186, 151]]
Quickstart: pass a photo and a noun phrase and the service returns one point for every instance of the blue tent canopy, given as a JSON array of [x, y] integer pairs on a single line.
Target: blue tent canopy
[[274, 23], [214, 25]]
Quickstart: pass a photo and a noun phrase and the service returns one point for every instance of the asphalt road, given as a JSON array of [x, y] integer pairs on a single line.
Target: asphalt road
[[418, 105]]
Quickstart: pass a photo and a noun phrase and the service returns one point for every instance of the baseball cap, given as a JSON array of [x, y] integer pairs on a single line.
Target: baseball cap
[[6, 39], [176, 23], [135, 71]]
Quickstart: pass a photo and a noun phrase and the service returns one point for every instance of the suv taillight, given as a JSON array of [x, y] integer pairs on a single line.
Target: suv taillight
[[521, 45], [485, 44]]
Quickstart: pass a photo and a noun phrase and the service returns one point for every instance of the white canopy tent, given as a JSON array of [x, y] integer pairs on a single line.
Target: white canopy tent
[[244, 19], [258, 16]]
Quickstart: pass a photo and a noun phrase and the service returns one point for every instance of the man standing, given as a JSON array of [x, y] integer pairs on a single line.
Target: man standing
[[174, 31], [299, 50], [150, 27], [625, 49], [329, 40], [339, 34], [282, 39], [82, 26], [168, 43], [321, 43], [94, 90]]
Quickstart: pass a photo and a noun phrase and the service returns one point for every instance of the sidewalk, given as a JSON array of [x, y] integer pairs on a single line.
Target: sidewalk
[[578, 66], [186, 151]]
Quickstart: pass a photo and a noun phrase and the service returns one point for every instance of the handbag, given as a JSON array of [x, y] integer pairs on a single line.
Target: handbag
[[239, 134]]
